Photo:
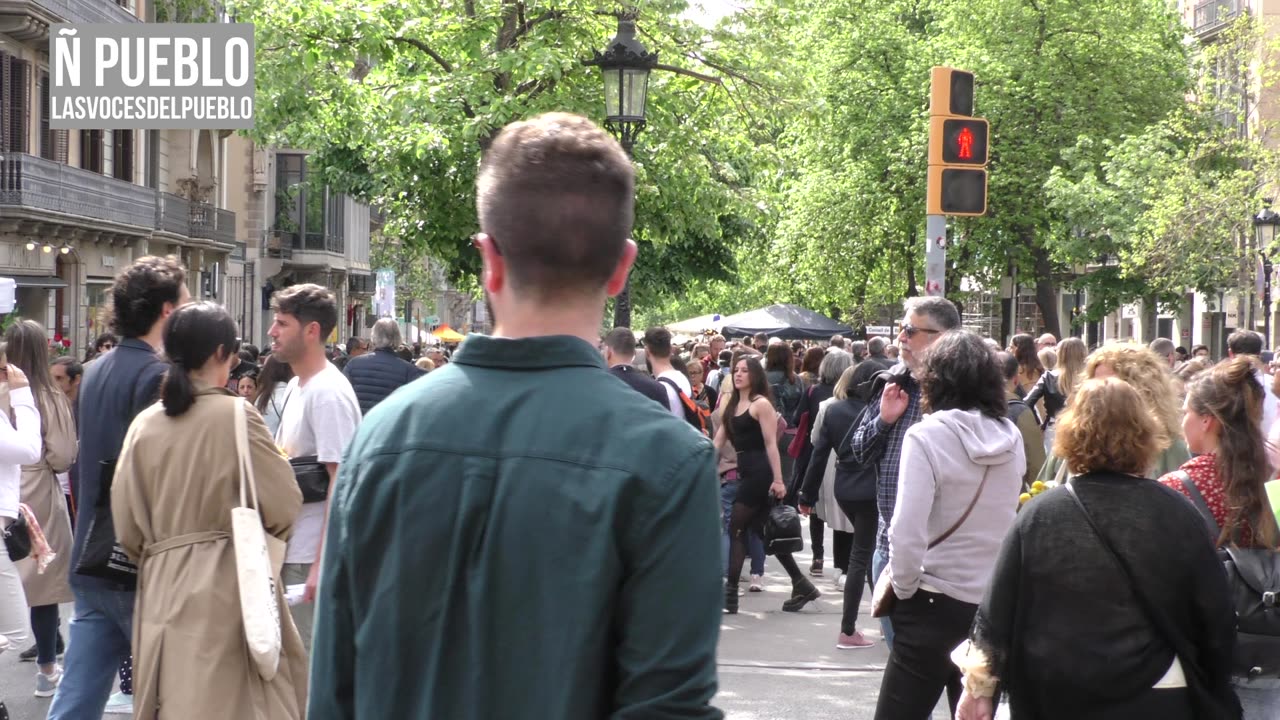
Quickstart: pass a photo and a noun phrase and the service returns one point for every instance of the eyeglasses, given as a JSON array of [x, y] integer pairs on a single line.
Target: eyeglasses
[[910, 330]]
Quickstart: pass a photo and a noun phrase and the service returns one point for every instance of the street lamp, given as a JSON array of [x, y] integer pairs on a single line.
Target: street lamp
[[1264, 228], [624, 66]]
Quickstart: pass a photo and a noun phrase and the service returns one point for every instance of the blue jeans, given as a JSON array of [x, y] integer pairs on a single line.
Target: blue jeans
[[878, 564], [755, 544], [101, 632], [1260, 698]]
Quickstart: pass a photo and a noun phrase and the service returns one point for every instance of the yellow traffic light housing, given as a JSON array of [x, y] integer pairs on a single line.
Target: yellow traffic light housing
[[958, 147]]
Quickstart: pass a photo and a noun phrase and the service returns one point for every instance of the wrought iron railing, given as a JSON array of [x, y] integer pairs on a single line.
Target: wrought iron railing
[[173, 213], [34, 182], [1213, 14], [213, 223], [89, 11], [335, 244]]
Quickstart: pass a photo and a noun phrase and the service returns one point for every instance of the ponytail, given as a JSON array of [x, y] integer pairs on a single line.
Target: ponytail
[[177, 394]]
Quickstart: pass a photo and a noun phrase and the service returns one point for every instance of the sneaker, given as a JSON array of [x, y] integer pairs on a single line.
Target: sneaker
[[4, 712], [47, 685], [730, 599], [757, 583], [839, 581], [119, 704], [816, 568], [853, 642]]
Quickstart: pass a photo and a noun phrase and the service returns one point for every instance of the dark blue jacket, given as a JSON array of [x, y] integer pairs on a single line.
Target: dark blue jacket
[[116, 387], [376, 375], [642, 384]]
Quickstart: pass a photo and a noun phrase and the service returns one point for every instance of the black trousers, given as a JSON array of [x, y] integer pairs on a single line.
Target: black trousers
[[863, 516], [926, 628]]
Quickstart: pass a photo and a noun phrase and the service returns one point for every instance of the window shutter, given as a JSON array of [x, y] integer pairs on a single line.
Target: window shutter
[[47, 150], [15, 84]]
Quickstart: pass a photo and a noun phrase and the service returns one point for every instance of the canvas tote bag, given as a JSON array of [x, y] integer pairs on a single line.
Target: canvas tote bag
[[255, 567]]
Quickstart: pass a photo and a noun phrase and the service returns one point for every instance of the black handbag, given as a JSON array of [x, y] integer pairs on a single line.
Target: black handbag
[[312, 477], [103, 557], [781, 532], [17, 538]]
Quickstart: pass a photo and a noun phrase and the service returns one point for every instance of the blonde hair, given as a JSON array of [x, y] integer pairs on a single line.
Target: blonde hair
[[1048, 358], [1105, 427], [842, 385], [425, 363], [1071, 360], [1149, 375]]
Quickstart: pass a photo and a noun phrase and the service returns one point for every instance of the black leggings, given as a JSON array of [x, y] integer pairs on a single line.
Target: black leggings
[[926, 628], [863, 515], [741, 518]]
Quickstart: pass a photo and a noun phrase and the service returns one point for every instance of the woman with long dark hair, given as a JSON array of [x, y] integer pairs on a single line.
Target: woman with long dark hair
[[273, 387], [1222, 424], [172, 514], [750, 424], [1023, 347], [28, 348]]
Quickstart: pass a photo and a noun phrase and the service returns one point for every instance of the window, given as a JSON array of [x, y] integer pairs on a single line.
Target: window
[[122, 155], [53, 143], [153, 159], [15, 105], [290, 197], [91, 142]]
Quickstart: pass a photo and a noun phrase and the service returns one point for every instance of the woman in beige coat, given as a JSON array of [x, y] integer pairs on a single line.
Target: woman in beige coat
[[28, 348], [176, 483]]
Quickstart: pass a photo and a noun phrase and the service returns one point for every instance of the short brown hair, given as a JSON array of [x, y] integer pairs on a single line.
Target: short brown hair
[[557, 196], [657, 342], [140, 292], [1106, 426], [309, 303]]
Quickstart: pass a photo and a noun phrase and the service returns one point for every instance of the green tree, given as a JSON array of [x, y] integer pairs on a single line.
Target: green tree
[[397, 99]]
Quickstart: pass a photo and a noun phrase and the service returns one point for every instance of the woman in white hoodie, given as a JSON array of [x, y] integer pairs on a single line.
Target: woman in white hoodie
[[958, 486]]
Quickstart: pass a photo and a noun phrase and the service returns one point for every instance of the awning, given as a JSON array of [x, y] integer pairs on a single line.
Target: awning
[[38, 281], [448, 334]]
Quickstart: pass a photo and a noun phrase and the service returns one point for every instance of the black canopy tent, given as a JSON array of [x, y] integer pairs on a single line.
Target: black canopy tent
[[790, 322]]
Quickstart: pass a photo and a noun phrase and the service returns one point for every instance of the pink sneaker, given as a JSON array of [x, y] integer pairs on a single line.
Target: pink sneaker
[[853, 642]]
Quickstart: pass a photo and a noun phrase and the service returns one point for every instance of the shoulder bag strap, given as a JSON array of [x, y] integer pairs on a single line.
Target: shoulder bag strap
[[1198, 500], [951, 530], [285, 406], [242, 453]]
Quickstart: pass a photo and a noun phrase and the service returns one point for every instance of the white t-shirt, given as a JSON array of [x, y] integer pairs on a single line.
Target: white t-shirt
[[673, 398], [318, 418]]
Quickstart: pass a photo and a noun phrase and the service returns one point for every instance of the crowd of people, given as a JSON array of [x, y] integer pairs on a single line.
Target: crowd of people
[[532, 530]]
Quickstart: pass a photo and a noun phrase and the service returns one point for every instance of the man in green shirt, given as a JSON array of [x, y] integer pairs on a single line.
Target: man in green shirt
[[519, 534]]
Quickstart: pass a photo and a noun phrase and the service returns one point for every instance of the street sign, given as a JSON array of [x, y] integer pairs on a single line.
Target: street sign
[[880, 330]]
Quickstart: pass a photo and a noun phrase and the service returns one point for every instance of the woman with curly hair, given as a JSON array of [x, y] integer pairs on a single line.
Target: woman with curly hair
[[1149, 375], [960, 475], [1135, 620]]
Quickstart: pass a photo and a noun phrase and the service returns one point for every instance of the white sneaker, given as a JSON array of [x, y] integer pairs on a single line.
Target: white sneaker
[[757, 583], [840, 580], [47, 685], [119, 704]]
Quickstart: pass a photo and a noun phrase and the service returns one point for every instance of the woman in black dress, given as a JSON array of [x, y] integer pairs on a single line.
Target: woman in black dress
[[752, 428]]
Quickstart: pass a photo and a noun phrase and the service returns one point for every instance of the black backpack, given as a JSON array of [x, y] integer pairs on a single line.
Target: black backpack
[[1254, 577]]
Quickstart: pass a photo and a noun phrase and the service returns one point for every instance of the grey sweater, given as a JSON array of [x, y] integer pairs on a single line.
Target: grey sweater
[[944, 457]]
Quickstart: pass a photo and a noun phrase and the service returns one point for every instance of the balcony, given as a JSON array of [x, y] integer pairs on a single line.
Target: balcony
[[211, 223], [1213, 15], [32, 182], [28, 20]]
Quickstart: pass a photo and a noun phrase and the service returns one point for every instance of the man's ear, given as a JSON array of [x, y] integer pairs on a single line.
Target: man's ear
[[493, 275], [618, 280]]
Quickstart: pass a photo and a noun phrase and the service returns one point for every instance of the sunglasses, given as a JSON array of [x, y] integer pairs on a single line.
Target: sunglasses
[[910, 330]]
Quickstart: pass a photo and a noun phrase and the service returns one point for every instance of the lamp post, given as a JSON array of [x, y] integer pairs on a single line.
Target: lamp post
[[624, 66], [1264, 228]]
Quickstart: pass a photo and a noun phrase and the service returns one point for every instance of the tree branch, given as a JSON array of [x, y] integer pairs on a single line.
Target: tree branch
[[527, 26], [689, 73], [426, 49]]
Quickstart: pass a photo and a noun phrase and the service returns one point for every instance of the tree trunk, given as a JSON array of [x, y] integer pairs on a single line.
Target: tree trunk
[[622, 307], [1046, 291]]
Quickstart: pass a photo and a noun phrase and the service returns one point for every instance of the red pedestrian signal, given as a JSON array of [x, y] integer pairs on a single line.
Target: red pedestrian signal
[[965, 144], [958, 141]]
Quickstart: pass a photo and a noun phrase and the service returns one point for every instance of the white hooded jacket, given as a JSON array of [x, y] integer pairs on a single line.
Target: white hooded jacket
[[944, 459]]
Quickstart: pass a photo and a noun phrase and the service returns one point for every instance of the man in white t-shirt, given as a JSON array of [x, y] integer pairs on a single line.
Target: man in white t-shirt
[[318, 418], [657, 346]]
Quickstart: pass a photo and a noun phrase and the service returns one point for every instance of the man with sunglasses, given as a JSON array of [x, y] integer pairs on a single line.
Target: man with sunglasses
[[878, 439], [524, 535]]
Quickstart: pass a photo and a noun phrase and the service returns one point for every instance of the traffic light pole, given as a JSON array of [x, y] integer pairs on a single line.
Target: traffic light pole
[[935, 256]]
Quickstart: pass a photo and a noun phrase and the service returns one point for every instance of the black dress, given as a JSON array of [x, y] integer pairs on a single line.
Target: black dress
[[754, 474]]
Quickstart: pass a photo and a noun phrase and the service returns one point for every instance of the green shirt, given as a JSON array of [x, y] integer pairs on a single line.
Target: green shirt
[[520, 535]]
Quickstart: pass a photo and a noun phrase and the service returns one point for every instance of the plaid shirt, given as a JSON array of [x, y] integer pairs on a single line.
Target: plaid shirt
[[875, 442]]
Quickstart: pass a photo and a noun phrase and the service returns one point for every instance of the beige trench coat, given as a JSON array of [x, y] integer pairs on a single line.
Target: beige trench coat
[[176, 482], [42, 492]]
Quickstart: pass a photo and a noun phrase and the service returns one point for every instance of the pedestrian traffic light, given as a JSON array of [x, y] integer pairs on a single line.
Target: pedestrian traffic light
[[956, 191], [958, 141], [950, 92], [958, 147]]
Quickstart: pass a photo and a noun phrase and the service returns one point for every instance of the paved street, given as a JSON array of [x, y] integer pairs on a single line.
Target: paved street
[[773, 665]]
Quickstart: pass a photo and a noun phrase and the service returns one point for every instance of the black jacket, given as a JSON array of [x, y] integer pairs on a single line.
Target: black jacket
[[376, 375], [853, 481], [642, 384], [813, 397]]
